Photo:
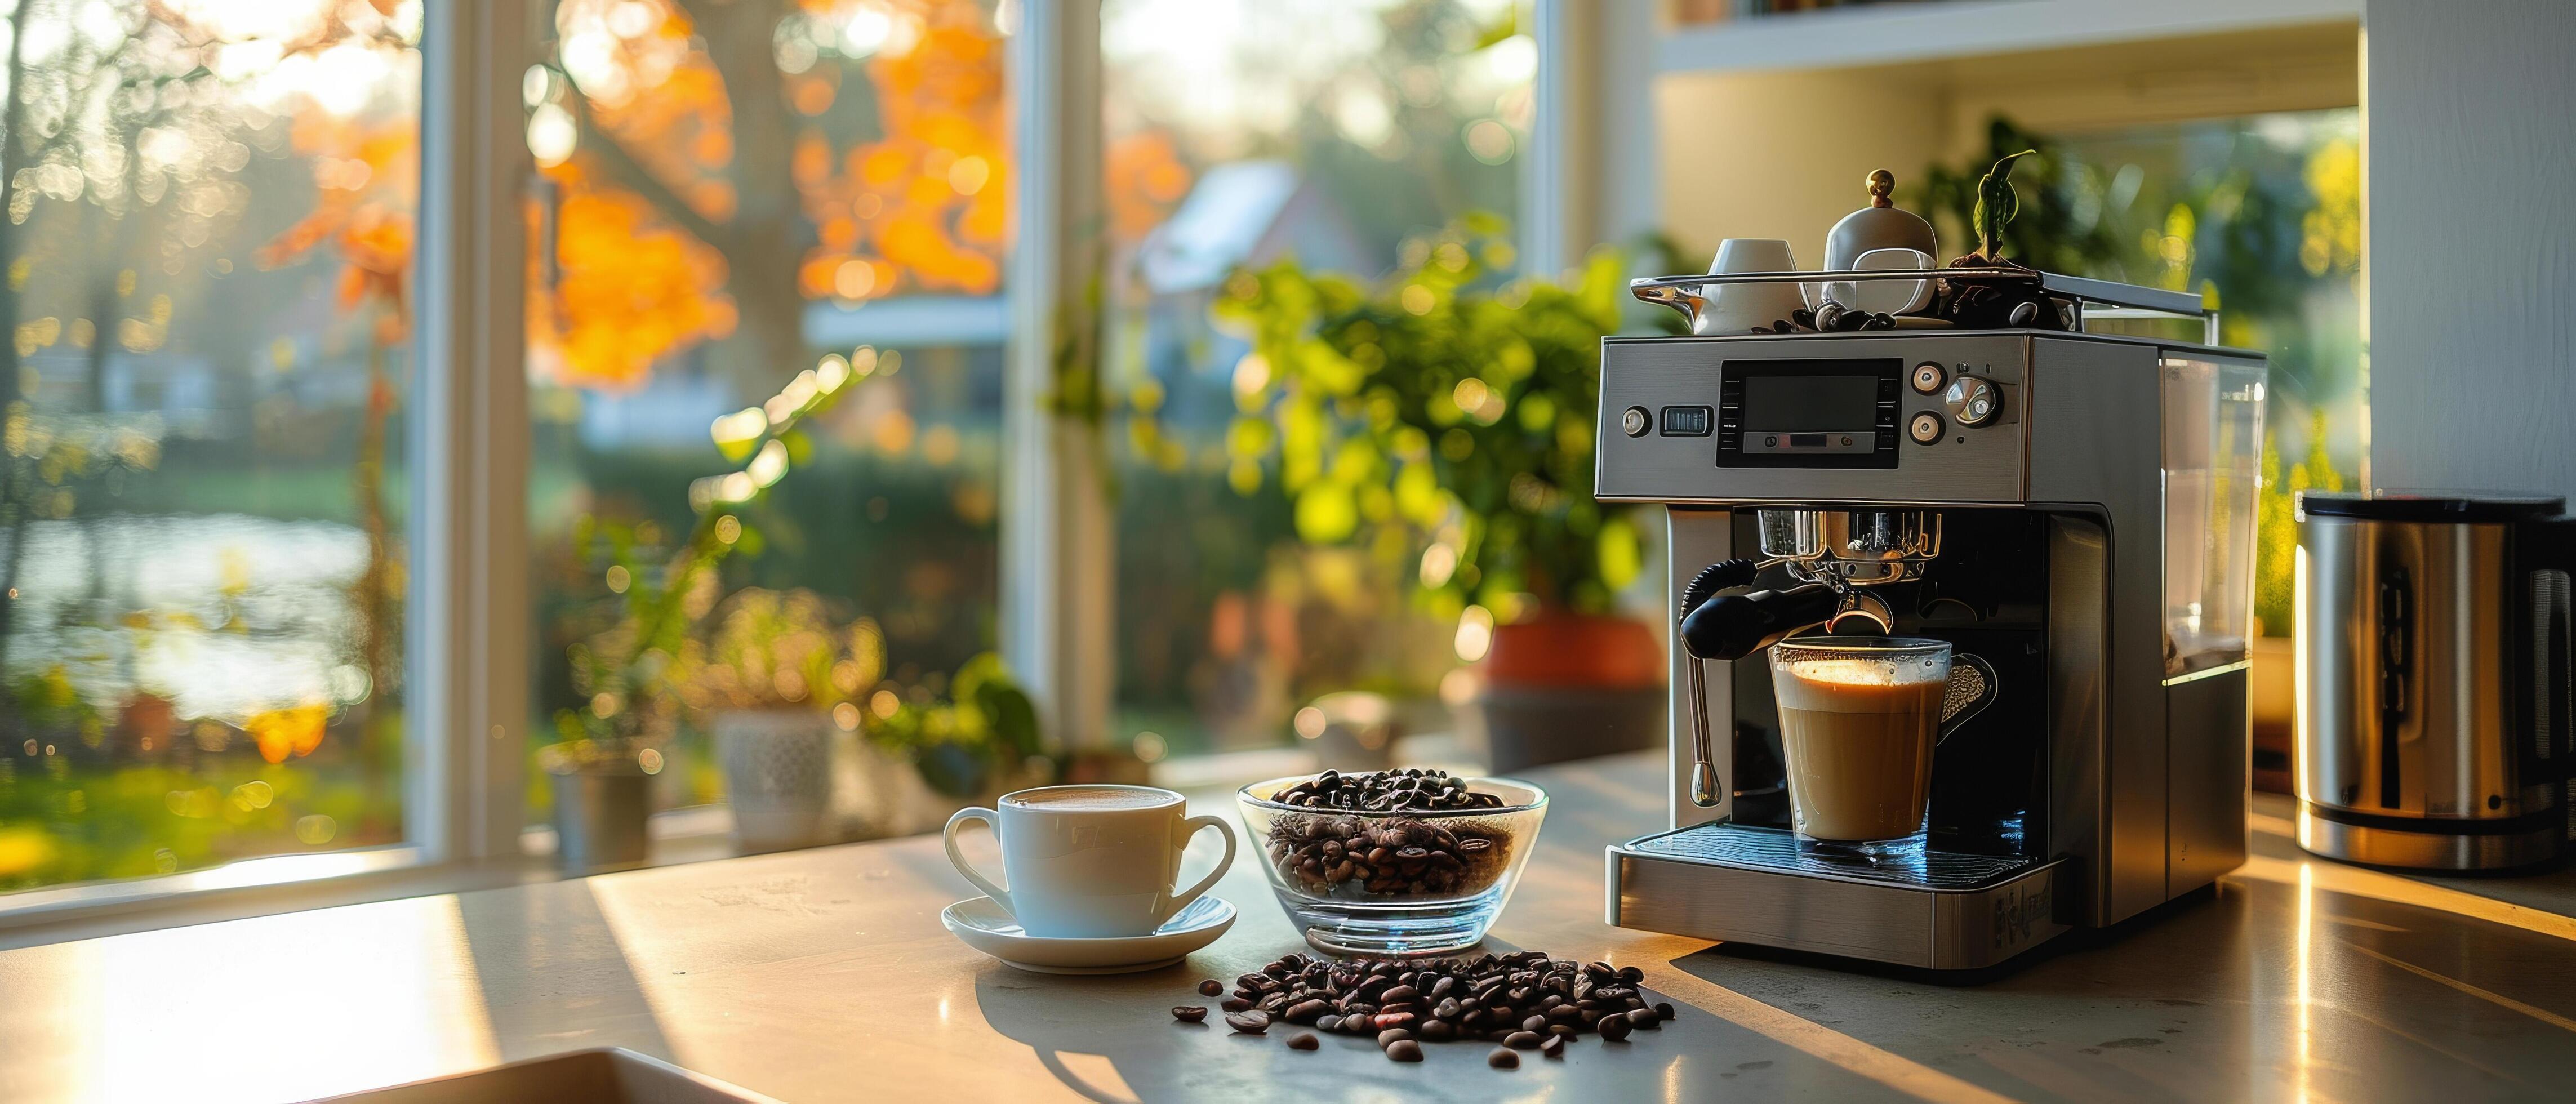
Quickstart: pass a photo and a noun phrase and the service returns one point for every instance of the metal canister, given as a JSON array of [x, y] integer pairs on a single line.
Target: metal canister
[[2432, 674]]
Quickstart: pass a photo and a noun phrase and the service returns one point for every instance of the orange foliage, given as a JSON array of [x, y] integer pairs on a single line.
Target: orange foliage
[[293, 731], [366, 177], [1145, 178], [926, 207], [629, 289]]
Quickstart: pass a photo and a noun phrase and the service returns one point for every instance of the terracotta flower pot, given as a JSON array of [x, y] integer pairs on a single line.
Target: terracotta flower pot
[[1567, 686]]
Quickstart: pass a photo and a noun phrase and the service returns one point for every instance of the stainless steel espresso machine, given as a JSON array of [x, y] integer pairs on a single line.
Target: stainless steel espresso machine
[[2076, 508]]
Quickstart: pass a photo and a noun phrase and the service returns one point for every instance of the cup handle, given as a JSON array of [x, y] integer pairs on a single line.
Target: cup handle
[[1973, 686], [1188, 829], [956, 858]]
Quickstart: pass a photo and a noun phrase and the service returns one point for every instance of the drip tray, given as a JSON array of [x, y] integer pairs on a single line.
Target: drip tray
[[1941, 910]]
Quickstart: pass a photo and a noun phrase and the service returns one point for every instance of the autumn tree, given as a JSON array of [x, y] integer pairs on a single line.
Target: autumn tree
[[710, 169]]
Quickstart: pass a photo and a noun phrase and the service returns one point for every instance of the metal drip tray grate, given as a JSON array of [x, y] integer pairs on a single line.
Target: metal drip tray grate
[[1771, 849], [1943, 910]]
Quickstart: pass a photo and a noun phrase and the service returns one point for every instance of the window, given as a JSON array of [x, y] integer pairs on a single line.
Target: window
[[766, 333], [202, 536], [1329, 133]]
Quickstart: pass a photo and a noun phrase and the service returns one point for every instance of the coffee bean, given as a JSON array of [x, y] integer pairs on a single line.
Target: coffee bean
[[1631, 974], [1405, 1050], [1211, 987], [1392, 1036], [1663, 1011], [1189, 1013], [1306, 1012], [1554, 1047], [1521, 1040], [1534, 1023], [1438, 1031], [1503, 1058], [1387, 1020], [1234, 1004], [1613, 1028], [1249, 1023], [1644, 1018], [1328, 1022], [1303, 1040]]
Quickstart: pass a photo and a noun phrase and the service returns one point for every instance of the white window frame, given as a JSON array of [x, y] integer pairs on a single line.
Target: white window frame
[[469, 621]]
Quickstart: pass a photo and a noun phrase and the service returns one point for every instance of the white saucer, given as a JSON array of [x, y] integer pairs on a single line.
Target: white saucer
[[987, 928]]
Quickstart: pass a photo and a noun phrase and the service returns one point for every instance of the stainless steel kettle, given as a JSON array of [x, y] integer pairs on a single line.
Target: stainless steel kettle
[[2433, 679]]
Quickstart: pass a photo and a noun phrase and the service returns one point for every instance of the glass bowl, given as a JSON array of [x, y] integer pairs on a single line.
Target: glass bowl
[[1397, 884]]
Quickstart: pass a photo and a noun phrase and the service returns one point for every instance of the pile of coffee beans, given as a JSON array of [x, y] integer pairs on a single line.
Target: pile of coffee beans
[[1374, 850], [1524, 1000], [1409, 790]]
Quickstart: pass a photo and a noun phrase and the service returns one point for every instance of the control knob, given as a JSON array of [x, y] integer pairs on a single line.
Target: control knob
[[1973, 401]]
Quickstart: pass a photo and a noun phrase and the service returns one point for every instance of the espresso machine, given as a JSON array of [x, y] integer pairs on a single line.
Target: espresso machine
[[2075, 507]]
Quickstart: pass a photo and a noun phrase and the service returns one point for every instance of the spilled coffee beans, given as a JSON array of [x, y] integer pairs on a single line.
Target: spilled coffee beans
[[1524, 1000]]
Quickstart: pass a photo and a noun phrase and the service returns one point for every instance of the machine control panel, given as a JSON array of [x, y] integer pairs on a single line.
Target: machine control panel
[[1808, 413], [1833, 417]]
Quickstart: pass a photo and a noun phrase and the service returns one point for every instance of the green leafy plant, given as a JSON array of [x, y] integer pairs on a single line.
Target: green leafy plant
[[770, 650], [626, 669], [985, 728], [1997, 203], [1444, 416]]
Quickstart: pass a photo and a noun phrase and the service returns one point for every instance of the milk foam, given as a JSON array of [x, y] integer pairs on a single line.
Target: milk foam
[[1076, 799], [1858, 685]]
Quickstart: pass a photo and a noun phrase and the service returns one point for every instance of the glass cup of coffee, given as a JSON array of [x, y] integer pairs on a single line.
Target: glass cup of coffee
[[1090, 861], [1859, 717]]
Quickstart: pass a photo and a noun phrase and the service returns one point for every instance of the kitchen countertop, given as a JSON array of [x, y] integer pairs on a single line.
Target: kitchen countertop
[[825, 975]]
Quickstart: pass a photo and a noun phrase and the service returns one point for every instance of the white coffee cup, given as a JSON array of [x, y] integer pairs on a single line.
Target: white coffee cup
[[1737, 308], [1090, 861]]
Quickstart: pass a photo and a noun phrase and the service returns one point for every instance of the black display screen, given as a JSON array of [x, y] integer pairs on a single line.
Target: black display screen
[[1811, 403]]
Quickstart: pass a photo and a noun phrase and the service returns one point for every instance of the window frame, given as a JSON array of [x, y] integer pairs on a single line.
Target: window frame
[[469, 625]]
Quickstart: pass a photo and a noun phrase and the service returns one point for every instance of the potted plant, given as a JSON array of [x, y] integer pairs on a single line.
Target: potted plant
[[767, 679], [921, 757], [611, 748], [1445, 418]]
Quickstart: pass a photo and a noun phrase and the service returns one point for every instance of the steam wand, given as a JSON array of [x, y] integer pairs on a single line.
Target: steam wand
[[1731, 626]]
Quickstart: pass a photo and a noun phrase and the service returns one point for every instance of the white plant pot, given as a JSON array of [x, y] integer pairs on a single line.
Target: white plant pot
[[777, 766]]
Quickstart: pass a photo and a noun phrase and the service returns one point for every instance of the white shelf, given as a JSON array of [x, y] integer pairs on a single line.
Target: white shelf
[[1840, 38]]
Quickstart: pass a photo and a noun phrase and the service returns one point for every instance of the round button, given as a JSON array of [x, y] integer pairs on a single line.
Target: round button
[[1973, 400], [1925, 428], [1636, 421], [1929, 376]]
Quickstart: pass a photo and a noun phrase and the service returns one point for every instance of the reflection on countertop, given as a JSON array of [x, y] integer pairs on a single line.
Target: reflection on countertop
[[824, 975]]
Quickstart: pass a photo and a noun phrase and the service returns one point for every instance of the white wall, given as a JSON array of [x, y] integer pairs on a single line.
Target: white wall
[[2470, 112]]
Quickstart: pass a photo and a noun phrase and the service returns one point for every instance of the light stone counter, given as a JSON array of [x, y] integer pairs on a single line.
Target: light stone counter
[[824, 975]]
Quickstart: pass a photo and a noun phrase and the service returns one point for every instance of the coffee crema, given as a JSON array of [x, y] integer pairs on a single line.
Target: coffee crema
[[1087, 799], [1859, 746]]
